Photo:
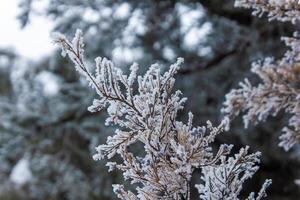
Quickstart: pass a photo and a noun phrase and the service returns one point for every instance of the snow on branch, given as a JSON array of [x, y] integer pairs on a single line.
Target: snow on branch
[[279, 90], [226, 179], [172, 149], [283, 10]]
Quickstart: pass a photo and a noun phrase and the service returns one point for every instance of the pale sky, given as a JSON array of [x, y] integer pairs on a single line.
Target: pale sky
[[31, 42], [34, 40]]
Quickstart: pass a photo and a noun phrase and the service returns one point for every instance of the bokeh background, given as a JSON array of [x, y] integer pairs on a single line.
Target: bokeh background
[[47, 136]]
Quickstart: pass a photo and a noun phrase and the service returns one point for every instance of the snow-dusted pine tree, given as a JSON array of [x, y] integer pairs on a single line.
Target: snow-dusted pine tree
[[144, 108], [279, 89]]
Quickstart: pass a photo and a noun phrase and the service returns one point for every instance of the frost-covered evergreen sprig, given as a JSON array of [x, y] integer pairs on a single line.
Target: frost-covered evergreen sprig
[[279, 90], [283, 10], [146, 115], [226, 179]]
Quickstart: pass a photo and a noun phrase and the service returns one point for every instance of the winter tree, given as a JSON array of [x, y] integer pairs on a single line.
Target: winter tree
[[280, 79], [279, 88], [58, 134]]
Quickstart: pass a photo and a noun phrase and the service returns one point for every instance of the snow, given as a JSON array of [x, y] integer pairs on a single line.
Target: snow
[[123, 11], [21, 173], [49, 82]]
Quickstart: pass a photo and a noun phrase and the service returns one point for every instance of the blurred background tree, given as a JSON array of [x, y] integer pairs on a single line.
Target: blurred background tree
[[43, 103]]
